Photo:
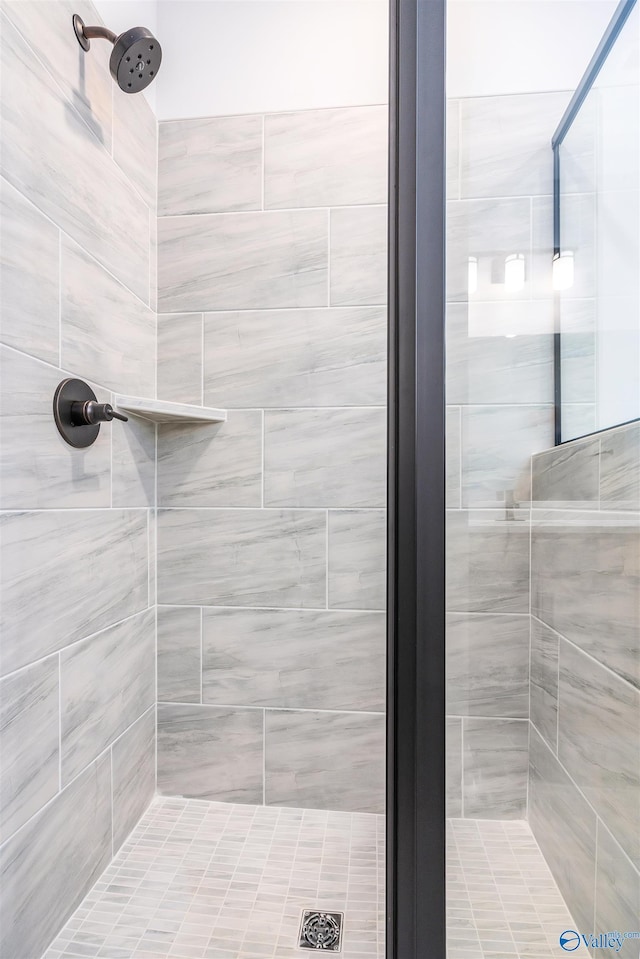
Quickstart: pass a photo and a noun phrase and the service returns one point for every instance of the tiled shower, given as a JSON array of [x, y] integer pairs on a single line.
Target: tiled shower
[[193, 660]]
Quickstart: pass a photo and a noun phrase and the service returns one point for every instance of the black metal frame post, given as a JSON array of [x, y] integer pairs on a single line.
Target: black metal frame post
[[416, 897]]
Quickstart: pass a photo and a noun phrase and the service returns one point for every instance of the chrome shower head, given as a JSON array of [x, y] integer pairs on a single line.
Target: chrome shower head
[[135, 58]]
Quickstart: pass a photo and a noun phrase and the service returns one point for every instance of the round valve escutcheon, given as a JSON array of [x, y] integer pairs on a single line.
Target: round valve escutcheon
[[78, 414]]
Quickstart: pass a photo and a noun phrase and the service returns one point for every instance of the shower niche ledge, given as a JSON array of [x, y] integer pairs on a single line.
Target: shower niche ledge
[[163, 411]]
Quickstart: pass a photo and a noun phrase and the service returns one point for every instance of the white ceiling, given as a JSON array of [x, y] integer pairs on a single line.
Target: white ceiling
[[223, 57]]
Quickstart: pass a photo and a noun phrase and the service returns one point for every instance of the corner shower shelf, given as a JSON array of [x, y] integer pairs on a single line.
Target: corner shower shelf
[[162, 411]]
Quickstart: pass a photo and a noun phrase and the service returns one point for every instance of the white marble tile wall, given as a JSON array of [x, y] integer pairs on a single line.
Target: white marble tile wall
[[499, 384], [77, 661], [271, 549], [585, 673]]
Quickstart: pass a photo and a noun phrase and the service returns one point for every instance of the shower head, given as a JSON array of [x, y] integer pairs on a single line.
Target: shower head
[[135, 58]]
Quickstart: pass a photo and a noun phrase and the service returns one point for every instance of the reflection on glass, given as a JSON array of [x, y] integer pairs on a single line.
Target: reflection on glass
[[597, 273]]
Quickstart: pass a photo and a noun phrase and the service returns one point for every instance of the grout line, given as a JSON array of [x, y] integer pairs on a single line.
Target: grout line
[[202, 347], [595, 876], [149, 297], [317, 209], [111, 432], [262, 166], [302, 709], [460, 126], [370, 307], [557, 748], [59, 299], [488, 719], [111, 797], [298, 609], [201, 655], [254, 509], [59, 722], [155, 713], [293, 110], [328, 256], [462, 767], [262, 464], [461, 473], [530, 522], [326, 557]]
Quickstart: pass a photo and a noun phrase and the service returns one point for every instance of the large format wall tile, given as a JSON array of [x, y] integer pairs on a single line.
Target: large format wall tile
[[565, 828], [325, 760], [29, 272], [211, 465], [544, 681], [133, 462], [488, 561], [85, 174], [497, 443], [38, 470], [85, 81], [47, 868], [210, 165], [326, 157], [357, 559], [307, 659], [179, 654], [240, 261], [135, 145], [599, 742], [585, 583], [567, 476], [180, 358], [243, 557], [331, 357], [107, 334], [617, 892], [134, 775], [495, 764], [358, 253], [620, 468], [210, 753], [504, 147], [328, 457], [29, 707], [487, 665], [495, 369], [88, 570], [107, 682]]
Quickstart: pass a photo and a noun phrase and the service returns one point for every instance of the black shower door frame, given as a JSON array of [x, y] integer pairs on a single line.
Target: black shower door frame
[[416, 839]]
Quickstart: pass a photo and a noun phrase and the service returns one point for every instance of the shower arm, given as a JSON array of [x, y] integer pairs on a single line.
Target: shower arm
[[99, 33], [85, 33]]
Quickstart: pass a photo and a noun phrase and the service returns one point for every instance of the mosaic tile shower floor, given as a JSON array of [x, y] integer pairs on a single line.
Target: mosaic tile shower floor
[[502, 901], [200, 880]]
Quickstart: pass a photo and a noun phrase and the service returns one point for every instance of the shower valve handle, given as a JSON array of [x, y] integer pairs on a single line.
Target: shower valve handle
[[90, 413]]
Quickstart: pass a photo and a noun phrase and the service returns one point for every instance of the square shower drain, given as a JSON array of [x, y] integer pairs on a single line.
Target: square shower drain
[[321, 930]]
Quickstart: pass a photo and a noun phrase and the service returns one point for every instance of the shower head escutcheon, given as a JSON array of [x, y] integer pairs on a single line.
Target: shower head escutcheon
[[135, 58]]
